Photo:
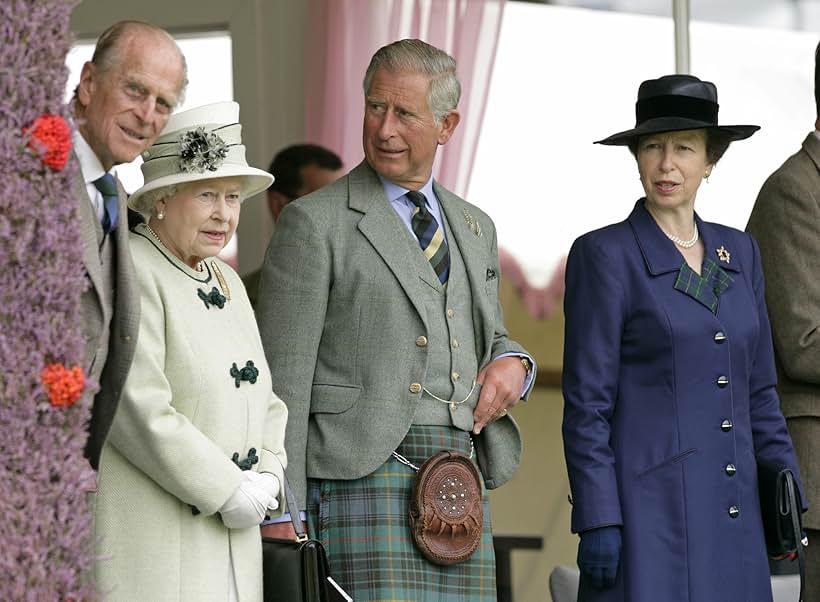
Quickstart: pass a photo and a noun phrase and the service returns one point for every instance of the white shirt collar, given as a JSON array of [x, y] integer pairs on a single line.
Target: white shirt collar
[[89, 163], [395, 192]]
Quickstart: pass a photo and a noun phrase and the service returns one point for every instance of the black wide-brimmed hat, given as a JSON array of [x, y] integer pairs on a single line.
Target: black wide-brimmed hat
[[676, 102]]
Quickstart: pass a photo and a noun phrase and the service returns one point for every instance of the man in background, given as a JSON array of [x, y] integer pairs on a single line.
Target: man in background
[[127, 91], [297, 170], [785, 221]]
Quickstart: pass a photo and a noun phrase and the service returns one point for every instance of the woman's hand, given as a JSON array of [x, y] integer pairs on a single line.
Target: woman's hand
[[249, 504], [598, 556]]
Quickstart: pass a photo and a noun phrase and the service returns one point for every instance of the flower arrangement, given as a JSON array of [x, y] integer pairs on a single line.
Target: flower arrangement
[[45, 521], [50, 135], [200, 150]]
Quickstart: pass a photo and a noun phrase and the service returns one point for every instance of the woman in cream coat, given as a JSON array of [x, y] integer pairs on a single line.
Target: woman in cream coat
[[196, 452]]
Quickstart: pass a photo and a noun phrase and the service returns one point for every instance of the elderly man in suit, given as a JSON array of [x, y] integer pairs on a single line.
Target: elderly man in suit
[[126, 93], [380, 318], [785, 222]]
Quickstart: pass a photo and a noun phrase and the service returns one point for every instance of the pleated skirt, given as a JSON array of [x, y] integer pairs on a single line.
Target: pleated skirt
[[364, 526]]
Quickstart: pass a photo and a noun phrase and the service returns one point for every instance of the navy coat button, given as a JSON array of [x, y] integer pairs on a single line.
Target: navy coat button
[[730, 469], [720, 337], [726, 426], [722, 381], [734, 511]]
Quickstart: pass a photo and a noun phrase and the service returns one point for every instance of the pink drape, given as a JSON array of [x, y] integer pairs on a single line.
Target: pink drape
[[341, 37]]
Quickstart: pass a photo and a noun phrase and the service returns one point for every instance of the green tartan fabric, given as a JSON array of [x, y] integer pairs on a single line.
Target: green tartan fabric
[[706, 287], [364, 526]]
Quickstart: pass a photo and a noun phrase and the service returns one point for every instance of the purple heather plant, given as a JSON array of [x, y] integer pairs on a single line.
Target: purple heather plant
[[45, 521]]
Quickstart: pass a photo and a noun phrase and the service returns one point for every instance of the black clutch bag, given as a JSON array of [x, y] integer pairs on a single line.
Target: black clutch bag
[[781, 512], [297, 570]]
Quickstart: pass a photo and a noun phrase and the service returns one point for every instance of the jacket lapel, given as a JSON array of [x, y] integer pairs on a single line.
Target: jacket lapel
[[812, 147], [659, 253], [383, 228], [473, 252], [88, 222]]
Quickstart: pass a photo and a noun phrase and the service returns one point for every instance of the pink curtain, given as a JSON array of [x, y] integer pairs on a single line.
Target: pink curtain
[[341, 37]]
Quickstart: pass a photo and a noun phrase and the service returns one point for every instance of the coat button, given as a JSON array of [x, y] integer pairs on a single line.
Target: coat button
[[734, 511], [451, 312], [726, 426], [415, 388], [421, 341], [730, 469], [454, 344], [455, 375], [720, 337], [722, 381]]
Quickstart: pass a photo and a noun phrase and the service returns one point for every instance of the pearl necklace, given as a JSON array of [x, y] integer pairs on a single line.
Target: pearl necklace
[[198, 267], [686, 244]]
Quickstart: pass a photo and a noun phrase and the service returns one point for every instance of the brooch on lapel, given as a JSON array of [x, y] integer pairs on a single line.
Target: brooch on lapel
[[474, 226], [221, 280], [723, 254]]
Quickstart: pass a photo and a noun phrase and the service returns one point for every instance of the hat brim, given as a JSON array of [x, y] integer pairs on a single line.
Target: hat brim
[[254, 181], [661, 125]]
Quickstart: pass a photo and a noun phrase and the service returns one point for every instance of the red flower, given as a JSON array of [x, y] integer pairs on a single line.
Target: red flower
[[51, 137], [64, 386]]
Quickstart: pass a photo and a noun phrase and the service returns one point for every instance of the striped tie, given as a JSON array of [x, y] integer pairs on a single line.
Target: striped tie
[[430, 235], [107, 186]]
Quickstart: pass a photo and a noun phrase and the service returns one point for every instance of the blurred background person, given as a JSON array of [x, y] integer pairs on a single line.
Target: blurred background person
[[785, 221], [669, 378], [297, 170], [196, 453]]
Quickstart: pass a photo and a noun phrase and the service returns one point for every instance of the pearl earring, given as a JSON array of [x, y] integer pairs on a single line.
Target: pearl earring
[[160, 215]]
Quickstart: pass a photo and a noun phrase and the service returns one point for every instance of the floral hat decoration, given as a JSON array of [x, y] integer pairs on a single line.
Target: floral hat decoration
[[199, 144]]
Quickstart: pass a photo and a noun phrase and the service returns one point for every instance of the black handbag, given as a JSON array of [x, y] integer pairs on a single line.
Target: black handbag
[[781, 513], [297, 570]]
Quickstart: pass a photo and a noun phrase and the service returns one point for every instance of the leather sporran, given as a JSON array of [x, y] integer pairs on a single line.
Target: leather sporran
[[446, 510]]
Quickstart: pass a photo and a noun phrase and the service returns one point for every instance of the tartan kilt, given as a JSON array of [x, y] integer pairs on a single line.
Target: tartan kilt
[[364, 526]]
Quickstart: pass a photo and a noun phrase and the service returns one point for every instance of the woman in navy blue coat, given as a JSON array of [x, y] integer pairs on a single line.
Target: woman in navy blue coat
[[669, 378]]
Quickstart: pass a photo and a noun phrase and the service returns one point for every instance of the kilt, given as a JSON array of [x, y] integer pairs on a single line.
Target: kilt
[[364, 526]]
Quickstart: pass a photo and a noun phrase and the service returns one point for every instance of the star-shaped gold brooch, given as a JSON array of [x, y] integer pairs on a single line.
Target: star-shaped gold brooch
[[723, 254]]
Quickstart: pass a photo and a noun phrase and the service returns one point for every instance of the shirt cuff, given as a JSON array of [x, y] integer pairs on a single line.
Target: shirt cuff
[[530, 373]]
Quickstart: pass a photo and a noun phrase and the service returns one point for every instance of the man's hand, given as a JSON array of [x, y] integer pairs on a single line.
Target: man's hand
[[501, 383]]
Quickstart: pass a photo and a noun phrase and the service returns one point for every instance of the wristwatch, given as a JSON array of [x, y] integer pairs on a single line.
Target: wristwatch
[[526, 363]]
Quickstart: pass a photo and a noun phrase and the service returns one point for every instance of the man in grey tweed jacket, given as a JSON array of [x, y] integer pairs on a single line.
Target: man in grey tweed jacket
[[785, 221], [365, 342]]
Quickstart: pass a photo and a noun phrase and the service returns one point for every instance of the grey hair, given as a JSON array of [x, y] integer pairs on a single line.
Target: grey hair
[[108, 50], [148, 200], [416, 56]]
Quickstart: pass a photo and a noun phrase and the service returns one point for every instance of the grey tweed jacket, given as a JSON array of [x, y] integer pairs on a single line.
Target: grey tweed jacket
[[786, 223], [124, 321], [340, 308]]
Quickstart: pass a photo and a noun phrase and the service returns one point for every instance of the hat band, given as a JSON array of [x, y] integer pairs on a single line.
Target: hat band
[[159, 167], [671, 105]]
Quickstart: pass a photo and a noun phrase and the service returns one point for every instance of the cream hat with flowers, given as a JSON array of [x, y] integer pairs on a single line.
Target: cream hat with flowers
[[199, 144]]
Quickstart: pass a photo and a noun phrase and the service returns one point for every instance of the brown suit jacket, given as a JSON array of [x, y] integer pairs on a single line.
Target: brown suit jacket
[[124, 320], [786, 223]]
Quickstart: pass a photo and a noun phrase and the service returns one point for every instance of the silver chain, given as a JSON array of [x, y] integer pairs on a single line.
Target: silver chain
[[451, 402], [407, 462]]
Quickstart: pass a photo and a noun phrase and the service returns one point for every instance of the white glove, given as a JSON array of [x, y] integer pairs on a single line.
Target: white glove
[[248, 505]]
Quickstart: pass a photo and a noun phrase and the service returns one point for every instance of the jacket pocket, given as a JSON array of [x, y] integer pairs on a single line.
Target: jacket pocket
[[667, 462], [333, 399]]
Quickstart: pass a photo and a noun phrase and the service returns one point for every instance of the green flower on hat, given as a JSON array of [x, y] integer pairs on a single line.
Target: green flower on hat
[[200, 150]]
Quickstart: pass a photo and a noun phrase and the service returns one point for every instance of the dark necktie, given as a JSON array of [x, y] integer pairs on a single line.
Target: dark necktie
[[430, 235], [107, 186]]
